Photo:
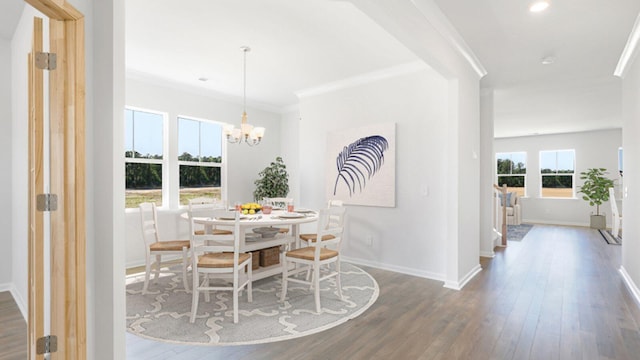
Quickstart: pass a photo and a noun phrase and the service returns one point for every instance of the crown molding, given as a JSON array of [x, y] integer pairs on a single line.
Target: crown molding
[[630, 51], [363, 79], [434, 15]]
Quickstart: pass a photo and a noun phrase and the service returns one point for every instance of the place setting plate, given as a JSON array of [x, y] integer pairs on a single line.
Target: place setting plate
[[304, 211], [231, 218], [291, 215]]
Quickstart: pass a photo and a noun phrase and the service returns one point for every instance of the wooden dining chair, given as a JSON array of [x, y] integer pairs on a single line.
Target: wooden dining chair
[[330, 226], [306, 238], [203, 206], [219, 256], [154, 247]]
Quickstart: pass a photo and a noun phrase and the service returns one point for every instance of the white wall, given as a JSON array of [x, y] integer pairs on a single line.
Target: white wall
[[593, 149], [5, 163], [631, 201], [486, 172], [244, 161], [409, 237]]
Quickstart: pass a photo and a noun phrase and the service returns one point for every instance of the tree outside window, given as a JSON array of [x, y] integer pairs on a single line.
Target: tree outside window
[[512, 171], [200, 159], [143, 157], [557, 170]]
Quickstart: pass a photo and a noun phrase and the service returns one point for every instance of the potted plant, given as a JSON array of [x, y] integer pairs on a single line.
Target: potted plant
[[596, 191], [273, 181]]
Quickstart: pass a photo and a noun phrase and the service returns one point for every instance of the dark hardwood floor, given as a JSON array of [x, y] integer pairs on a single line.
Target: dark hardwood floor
[[13, 329], [555, 295]]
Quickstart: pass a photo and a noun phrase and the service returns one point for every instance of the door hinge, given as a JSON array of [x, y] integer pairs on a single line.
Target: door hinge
[[47, 344], [47, 202], [46, 61]]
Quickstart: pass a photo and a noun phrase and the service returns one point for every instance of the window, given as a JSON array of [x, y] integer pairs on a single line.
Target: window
[[143, 157], [200, 159], [557, 170], [512, 170]]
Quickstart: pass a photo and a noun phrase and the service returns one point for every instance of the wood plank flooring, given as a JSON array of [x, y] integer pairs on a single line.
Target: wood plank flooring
[[13, 329], [555, 295]]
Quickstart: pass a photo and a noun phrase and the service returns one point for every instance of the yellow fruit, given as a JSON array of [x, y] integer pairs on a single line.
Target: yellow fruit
[[252, 211], [245, 211]]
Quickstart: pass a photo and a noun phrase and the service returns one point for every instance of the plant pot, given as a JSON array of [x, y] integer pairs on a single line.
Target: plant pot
[[598, 222]]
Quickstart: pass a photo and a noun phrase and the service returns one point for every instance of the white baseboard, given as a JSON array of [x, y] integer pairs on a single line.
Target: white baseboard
[[458, 285], [631, 285], [394, 268], [554, 222], [488, 254], [22, 304]]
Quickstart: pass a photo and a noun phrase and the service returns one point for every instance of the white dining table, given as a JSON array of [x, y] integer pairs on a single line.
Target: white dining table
[[277, 218]]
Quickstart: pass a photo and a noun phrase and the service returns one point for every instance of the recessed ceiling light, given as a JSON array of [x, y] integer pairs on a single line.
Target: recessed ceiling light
[[548, 60], [203, 79], [538, 6]]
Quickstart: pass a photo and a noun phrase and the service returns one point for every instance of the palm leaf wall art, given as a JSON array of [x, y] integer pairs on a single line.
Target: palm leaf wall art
[[359, 161]]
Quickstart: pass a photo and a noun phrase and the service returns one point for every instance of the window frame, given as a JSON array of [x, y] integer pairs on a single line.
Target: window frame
[[223, 156], [556, 173], [511, 174], [162, 162]]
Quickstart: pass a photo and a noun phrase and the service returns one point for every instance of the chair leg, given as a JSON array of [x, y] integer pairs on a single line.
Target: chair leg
[[284, 278], [250, 280], [316, 283], [185, 259], [206, 281], [235, 303], [147, 274], [338, 281], [158, 265], [194, 298]]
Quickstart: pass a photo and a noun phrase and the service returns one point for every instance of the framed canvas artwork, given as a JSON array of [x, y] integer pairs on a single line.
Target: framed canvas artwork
[[360, 165]]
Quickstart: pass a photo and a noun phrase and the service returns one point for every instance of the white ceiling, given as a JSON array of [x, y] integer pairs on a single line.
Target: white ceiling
[[300, 45], [296, 45]]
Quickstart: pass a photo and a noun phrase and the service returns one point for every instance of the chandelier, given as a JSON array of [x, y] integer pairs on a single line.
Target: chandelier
[[247, 133]]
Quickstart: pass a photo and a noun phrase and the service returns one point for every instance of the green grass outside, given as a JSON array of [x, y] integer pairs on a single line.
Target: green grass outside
[[135, 197]]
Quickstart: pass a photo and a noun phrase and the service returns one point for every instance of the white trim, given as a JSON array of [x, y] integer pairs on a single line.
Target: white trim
[[488, 254], [631, 285], [630, 50], [441, 23], [555, 222], [20, 302], [363, 79], [394, 268], [458, 285]]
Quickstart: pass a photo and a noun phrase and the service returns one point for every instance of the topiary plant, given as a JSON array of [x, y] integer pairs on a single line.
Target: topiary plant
[[273, 181], [596, 187]]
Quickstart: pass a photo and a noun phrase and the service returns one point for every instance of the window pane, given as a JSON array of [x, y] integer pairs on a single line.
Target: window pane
[[196, 181], [147, 134], [566, 161], [143, 183], [211, 142], [519, 161], [557, 186], [514, 183], [548, 162], [504, 163], [128, 133], [188, 144]]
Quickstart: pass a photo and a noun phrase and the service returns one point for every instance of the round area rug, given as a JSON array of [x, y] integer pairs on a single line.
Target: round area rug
[[163, 314]]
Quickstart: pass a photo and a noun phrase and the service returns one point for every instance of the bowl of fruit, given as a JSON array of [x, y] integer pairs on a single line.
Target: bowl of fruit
[[250, 208]]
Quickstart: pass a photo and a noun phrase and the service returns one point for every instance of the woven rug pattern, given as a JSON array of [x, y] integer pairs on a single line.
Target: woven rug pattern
[[164, 313]]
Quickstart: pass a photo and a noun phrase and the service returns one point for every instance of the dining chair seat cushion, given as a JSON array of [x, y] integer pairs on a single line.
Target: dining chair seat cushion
[[215, 232], [308, 253], [283, 230], [313, 237], [171, 245], [220, 260]]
